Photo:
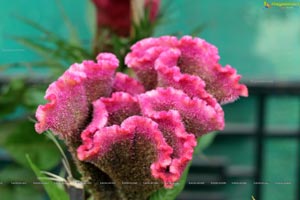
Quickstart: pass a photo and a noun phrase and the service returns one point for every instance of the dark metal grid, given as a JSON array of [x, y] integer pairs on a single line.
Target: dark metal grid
[[262, 91]]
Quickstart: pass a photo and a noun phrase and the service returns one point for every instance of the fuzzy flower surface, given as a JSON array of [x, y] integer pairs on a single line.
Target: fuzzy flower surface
[[164, 61], [141, 131]]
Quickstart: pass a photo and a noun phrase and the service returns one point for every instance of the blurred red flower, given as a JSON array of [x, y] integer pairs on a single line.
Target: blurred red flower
[[116, 14]]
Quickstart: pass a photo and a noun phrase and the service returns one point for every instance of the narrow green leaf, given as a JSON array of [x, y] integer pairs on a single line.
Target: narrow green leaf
[[52, 189], [73, 35], [60, 49], [10, 94], [64, 49], [204, 141], [33, 24], [32, 44], [24, 140], [43, 63], [14, 172], [33, 96], [91, 17], [20, 192], [198, 29]]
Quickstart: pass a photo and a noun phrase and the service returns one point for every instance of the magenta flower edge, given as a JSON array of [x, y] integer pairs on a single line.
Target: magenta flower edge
[[140, 130]]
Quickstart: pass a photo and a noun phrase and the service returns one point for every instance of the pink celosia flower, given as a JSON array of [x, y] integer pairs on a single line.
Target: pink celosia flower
[[192, 85], [127, 84], [128, 152], [71, 95], [193, 56], [197, 115], [170, 124], [143, 56], [120, 106], [115, 111], [90, 100], [140, 132], [116, 14]]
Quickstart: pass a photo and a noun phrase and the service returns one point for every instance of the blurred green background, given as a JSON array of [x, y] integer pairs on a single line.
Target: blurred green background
[[263, 44]]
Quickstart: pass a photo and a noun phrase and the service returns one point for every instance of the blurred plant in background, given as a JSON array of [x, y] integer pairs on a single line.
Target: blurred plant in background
[[19, 97], [118, 25], [121, 23]]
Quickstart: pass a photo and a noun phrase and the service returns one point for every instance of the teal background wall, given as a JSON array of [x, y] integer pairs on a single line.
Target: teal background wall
[[46, 13], [263, 44]]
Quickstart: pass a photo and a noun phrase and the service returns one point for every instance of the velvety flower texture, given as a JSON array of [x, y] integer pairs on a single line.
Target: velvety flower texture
[[154, 59], [116, 14], [72, 94], [141, 135]]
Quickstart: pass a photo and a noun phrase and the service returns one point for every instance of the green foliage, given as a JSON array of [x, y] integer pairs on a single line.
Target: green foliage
[[144, 29], [91, 18], [14, 172], [10, 96], [20, 192], [17, 101], [54, 191], [23, 140], [73, 34], [33, 96], [57, 53], [204, 141], [18, 94]]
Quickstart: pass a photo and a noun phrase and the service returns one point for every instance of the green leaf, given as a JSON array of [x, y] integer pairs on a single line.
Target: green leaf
[[91, 17], [33, 97], [14, 172], [5, 130], [52, 45], [33, 24], [40, 49], [52, 189], [24, 140], [21, 192], [204, 141], [171, 194], [6, 192], [73, 35], [10, 96], [198, 29], [43, 63]]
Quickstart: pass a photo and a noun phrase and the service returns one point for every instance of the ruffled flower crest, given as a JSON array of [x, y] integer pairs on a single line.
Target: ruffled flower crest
[[193, 56], [140, 131]]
